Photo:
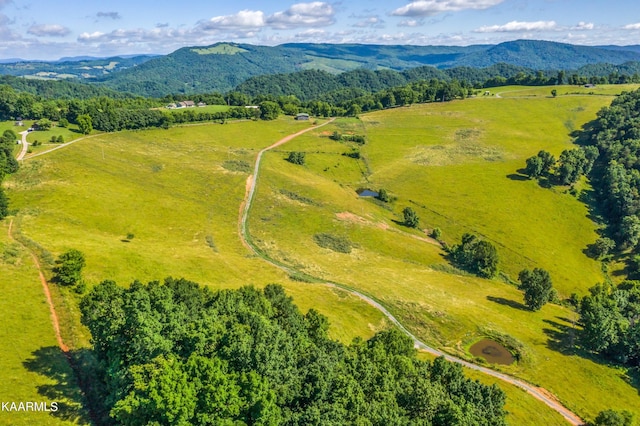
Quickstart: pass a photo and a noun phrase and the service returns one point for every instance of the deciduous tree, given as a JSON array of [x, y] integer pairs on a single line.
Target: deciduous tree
[[69, 267], [537, 287]]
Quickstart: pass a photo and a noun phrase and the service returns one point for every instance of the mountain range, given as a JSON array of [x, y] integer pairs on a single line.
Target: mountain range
[[223, 66]]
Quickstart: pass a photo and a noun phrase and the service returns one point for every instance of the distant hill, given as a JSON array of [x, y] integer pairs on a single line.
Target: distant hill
[[78, 68], [205, 69], [546, 55], [223, 66]]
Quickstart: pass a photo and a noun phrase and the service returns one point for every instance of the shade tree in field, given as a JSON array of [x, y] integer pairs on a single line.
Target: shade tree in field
[[296, 157], [613, 418], [410, 217], [383, 195], [476, 255], [269, 110], [539, 165], [537, 287]]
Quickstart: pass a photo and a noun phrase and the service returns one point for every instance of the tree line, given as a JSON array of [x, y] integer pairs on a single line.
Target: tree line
[[178, 353], [315, 92]]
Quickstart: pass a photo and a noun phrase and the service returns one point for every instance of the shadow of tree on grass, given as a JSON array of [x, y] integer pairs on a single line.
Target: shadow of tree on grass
[[564, 337], [507, 302], [51, 362]]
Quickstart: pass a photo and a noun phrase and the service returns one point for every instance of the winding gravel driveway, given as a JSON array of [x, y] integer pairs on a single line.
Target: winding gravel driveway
[[537, 392]]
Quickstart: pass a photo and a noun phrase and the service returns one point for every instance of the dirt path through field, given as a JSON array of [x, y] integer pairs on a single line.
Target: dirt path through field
[[539, 393], [45, 289]]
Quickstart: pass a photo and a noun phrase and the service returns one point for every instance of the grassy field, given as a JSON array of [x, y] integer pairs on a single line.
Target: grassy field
[[32, 367], [178, 193], [562, 90], [457, 165]]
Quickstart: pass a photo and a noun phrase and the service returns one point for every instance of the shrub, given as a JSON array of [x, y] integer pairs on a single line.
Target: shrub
[[69, 269], [296, 157], [333, 242], [383, 195], [411, 219], [436, 233]]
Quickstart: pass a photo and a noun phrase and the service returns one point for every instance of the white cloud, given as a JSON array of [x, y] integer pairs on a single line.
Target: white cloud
[[433, 7], [411, 23], [516, 26], [53, 30], [90, 37], [245, 19], [632, 27], [584, 26], [314, 14], [370, 22]]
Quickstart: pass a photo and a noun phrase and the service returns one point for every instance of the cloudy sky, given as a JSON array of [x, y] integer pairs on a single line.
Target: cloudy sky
[[48, 29]]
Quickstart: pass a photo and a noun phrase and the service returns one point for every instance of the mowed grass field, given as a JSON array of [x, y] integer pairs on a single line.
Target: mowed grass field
[[32, 367], [456, 164]]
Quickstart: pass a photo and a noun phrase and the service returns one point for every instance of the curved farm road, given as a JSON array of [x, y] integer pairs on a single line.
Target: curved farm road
[[539, 393], [25, 146]]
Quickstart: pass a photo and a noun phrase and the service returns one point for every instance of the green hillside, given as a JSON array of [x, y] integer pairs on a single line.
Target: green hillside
[[155, 203], [188, 70]]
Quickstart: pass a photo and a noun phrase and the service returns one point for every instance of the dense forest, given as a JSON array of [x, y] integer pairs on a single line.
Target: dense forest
[[8, 165], [315, 92], [177, 353], [222, 67], [610, 314]]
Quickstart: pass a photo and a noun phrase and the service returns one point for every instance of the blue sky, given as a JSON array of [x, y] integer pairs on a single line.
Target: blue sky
[[47, 29]]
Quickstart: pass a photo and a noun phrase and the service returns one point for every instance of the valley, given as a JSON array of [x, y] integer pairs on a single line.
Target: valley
[[144, 205]]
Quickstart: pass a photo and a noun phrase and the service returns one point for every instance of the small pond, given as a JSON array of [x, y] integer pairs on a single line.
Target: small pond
[[365, 192], [492, 351]]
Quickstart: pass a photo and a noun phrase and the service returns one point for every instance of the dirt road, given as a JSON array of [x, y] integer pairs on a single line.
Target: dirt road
[[45, 289], [25, 146], [538, 393]]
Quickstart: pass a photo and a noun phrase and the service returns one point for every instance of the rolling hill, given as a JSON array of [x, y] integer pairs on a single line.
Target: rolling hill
[[223, 66]]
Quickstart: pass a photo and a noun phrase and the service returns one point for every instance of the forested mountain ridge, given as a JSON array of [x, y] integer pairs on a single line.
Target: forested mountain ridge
[[223, 66], [546, 55]]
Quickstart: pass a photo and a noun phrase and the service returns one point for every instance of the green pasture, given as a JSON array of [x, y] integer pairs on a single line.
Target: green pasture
[[562, 90], [69, 134], [456, 164], [32, 367], [170, 189]]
